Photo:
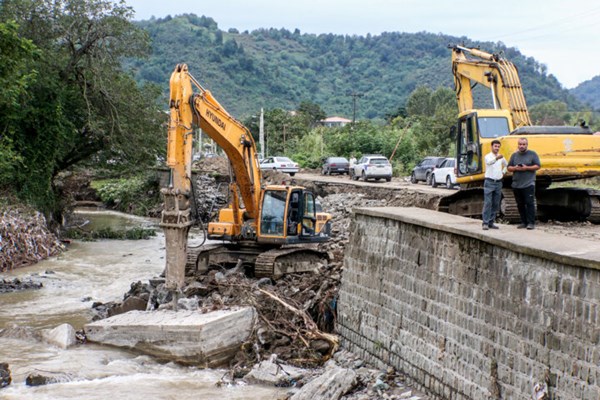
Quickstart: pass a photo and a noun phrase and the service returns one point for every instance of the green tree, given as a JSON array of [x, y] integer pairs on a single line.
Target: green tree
[[17, 56], [550, 113], [431, 115], [83, 106]]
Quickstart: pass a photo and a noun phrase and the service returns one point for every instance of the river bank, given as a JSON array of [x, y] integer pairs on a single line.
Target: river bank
[[25, 238]]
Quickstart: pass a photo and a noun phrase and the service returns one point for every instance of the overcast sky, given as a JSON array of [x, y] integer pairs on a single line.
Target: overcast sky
[[562, 34]]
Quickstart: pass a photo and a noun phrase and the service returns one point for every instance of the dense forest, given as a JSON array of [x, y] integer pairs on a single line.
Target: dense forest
[[589, 92], [276, 68]]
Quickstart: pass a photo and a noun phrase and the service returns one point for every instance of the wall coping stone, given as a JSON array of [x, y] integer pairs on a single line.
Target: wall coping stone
[[554, 247]]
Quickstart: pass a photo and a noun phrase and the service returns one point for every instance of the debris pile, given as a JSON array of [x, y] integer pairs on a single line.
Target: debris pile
[[210, 197], [212, 165], [25, 239]]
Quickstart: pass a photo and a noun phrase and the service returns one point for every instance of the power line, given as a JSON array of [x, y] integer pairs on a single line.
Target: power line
[[574, 20]]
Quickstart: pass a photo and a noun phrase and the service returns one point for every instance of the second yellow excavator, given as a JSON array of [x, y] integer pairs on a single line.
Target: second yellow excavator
[[566, 152], [272, 229]]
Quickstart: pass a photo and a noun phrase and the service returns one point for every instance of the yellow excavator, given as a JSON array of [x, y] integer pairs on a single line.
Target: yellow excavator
[[566, 152], [272, 229]]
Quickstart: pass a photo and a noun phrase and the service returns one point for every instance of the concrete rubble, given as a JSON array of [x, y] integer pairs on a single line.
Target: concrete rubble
[[275, 373], [63, 336], [188, 337], [331, 385]]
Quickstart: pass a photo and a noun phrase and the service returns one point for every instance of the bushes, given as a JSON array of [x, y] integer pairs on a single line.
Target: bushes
[[136, 195]]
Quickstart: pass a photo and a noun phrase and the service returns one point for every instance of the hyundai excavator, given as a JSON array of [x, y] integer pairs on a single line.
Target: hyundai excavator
[[566, 152], [273, 229]]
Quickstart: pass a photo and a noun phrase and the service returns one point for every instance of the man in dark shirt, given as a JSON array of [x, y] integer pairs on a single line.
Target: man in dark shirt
[[523, 164]]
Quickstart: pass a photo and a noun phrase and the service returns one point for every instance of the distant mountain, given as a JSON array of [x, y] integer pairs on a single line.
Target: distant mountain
[[276, 68], [588, 92]]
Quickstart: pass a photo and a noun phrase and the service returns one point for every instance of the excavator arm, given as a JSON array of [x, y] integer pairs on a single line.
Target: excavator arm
[[191, 109], [191, 106], [494, 72]]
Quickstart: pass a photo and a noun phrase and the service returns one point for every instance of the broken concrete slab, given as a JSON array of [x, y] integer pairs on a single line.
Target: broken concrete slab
[[187, 337], [273, 372], [332, 385], [63, 336]]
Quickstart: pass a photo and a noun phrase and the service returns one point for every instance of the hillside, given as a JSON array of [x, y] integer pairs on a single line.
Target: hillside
[[589, 92], [276, 68]]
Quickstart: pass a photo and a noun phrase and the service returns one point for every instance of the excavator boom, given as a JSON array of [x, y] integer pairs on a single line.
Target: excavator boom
[[258, 221], [494, 72]]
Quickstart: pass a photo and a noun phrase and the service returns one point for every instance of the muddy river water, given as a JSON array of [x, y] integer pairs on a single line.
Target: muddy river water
[[90, 272]]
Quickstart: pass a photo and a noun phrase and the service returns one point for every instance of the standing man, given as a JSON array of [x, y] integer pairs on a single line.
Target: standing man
[[523, 164], [495, 164]]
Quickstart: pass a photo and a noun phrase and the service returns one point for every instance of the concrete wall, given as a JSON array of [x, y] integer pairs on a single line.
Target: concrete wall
[[472, 314]]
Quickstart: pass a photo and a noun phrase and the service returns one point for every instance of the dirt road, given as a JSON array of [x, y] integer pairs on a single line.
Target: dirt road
[[400, 192]]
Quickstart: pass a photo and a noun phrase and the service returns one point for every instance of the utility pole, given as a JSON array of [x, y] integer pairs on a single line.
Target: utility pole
[[284, 125], [354, 97], [261, 134]]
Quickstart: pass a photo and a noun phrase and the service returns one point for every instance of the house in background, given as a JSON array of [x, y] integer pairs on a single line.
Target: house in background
[[334, 122]]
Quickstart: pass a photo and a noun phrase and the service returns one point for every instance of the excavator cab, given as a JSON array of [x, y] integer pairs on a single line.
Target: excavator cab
[[289, 215], [476, 130]]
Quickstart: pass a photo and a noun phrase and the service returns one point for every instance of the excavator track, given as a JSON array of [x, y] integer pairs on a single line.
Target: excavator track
[[198, 257], [277, 262], [594, 216], [508, 206]]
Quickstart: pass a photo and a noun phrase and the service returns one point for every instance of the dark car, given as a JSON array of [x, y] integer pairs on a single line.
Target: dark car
[[423, 170], [335, 165]]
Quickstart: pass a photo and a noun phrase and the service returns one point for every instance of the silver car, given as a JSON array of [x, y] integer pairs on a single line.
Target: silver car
[[373, 166], [282, 164]]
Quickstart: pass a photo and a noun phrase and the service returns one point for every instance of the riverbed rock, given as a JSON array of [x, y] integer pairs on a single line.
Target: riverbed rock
[[274, 372], [188, 337], [63, 336], [40, 380], [129, 304], [5, 378], [332, 385]]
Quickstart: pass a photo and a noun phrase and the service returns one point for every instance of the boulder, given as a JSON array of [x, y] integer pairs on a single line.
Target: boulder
[[63, 336], [5, 378]]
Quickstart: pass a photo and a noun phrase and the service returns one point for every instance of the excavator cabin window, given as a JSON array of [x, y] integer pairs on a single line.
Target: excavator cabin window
[[273, 213], [493, 127], [309, 216], [468, 146], [294, 213]]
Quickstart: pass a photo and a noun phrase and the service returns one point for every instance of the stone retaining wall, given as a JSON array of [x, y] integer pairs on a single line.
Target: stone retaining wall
[[468, 314]]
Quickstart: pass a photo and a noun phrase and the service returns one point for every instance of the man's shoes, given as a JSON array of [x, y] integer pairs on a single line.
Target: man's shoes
[[531, 226], [494, 226], [485, 227], [522, 226]]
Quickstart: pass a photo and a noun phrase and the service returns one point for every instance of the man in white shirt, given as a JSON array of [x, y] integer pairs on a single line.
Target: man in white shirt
[[495, 166]]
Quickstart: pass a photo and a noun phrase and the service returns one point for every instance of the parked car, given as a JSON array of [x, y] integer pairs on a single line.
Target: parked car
[[335, 165], [373, 166], [444, 175], [282, 164], [422, 171]]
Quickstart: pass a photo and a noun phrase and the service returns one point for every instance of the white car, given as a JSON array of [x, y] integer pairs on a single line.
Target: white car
[[444, 174], [282, 164], [373, 166]]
